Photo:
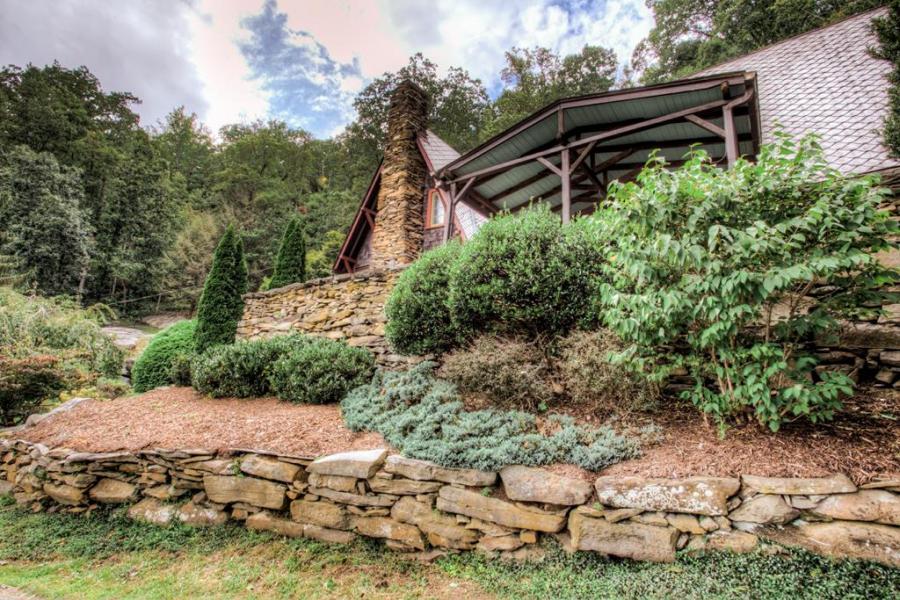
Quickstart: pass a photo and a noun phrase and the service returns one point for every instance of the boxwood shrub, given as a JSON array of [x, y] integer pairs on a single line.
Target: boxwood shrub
[[241, 369], [320, 371], [153, 367], [417, 310], [526, 273]]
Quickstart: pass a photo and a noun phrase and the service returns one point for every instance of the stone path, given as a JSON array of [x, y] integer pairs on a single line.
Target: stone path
[[8, 593], [126, 337]]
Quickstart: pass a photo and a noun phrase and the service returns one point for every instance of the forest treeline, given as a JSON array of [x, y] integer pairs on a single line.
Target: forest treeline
[[96, 205]]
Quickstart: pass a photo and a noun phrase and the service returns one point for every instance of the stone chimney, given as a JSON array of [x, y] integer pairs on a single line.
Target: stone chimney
[[399, 220]]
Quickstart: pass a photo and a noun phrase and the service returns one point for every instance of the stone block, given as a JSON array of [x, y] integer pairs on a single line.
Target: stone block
[[361, 464], [264, 521], [843, 539], [323, 514], [697, 495], [836, 484], [686, 523], [427, 471], [865, 505], [472, 504], [500, 543], [151, 510], [338, 483], [627, 539], [441, 530], [112, 491], [403, 487], [267, 467], [389, 529], [64, 494], [764, 509], [528, 484], [201, 516], [732, 541], [257, 492], [383, 500]]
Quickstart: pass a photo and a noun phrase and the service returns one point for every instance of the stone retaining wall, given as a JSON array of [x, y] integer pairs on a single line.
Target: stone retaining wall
[[343, 307], [418, 506]]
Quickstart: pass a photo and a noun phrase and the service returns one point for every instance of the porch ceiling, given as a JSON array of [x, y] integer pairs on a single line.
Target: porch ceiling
[[608, 136]]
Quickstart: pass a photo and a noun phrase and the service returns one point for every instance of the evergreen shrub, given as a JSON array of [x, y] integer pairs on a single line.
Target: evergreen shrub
[[221, 304], [506, 371], [320, 371], [417, 310], [241, 369], [424, 418], [25, 383], [290, 262], [153, 368], [526, 273]]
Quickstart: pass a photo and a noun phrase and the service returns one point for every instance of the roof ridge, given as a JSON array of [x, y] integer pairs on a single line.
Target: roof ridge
[[792, 38]]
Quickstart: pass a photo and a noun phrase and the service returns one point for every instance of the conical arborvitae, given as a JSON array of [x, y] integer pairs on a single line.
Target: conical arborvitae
[[221, 303], [290, 264]]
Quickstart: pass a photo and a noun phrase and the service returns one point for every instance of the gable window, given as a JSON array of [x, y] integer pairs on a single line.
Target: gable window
[[435, 210]]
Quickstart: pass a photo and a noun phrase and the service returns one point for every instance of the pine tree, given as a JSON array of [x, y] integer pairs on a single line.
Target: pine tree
[[290, 263], [221, 303]]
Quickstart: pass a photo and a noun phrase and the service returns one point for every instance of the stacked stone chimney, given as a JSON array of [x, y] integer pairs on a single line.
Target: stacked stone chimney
[[399, 221]]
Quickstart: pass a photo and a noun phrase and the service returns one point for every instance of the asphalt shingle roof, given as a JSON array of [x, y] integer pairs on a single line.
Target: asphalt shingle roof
[[825, 81]]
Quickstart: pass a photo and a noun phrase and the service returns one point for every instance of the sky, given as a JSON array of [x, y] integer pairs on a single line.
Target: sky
[[302, 61]]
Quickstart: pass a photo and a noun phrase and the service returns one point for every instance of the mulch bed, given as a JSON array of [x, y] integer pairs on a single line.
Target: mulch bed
[[179, 417], [863, 441]]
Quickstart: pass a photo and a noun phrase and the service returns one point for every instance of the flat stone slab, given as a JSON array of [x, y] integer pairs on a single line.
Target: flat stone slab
[[113, 491], [269, 468], [264, 521], [696, 495], [403, 487], [361, 464], [389, 529], [151, 510], [201, 516], [224, 489], [472, 504], [836, 484], [6, 488], [441, 530], [865, 505], [527, 484], [383, 500], [627, 539], [64, 494], [323, 514], [843, 539], [428, 471], [764, 509]]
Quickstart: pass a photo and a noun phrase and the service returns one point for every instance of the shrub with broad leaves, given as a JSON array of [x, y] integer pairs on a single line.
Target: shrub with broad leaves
[[712, 271]]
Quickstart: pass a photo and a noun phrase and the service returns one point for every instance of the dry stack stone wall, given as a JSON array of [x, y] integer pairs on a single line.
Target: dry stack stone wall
[[399, 222], [418, 506], [343, 307]]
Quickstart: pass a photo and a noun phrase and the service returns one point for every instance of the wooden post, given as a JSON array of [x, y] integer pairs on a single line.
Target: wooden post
[[448, 218], [731, 143], [565, 190]]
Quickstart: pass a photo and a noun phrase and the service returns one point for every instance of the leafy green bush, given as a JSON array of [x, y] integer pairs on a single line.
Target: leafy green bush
[[417, 310], [242, 369], [507, 371], [424, 418], [589, 374], [180, 369], [221, 304], [721, 262], [25, 383], [320, 371], [526, 273], [58, 327], [153, 368]]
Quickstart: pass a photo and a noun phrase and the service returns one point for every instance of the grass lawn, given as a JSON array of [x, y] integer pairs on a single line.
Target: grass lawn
[[107, 556]]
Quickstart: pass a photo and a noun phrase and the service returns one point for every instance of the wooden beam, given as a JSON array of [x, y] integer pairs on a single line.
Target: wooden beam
[[566, 192], [731, 144], [707, 125], [582, 156], [550, 166], [448, 220]]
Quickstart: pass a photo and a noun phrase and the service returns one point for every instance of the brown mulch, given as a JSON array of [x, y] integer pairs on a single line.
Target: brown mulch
[[863, 441], [179, 417]]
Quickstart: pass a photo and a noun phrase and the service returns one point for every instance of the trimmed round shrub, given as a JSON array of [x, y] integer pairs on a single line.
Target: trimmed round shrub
[[590, 375], [321, 371], [526, 274], [417, 311], [241, 369], [505, 371], [180, 369], [153, 367]]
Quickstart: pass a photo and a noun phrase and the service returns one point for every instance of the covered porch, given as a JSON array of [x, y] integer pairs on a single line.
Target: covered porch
[[567, 154]]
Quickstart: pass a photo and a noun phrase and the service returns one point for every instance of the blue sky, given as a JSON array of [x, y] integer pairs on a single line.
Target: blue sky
[[301, 61]]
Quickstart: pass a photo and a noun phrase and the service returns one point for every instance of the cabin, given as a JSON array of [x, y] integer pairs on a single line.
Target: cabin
[[566, 154]]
